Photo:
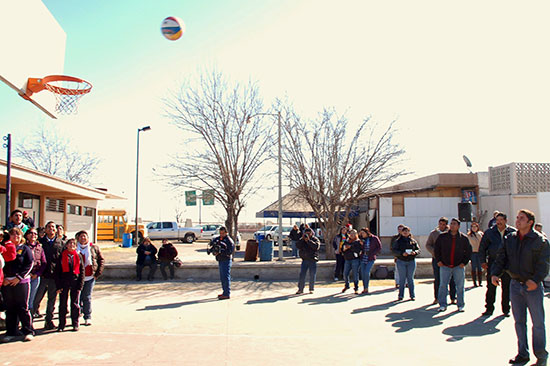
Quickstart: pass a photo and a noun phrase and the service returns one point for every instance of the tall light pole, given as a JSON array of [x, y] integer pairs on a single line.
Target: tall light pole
[[146, 128], [7, 145], [280, 175]]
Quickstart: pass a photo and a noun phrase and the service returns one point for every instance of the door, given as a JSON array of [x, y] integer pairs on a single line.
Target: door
[[119, 227], [155, 230], [169, 231]]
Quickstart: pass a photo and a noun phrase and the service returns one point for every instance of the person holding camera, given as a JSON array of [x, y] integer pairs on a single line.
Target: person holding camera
[[222, 248], [308, 249], [351, 250], [406, 249]]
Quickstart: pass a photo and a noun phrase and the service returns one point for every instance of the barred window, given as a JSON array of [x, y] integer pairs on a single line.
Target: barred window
[[74, 209], [55, 205], [88, 211]]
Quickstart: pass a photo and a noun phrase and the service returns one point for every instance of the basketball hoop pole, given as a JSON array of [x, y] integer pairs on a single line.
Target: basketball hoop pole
[[146, 128], [7, 145]]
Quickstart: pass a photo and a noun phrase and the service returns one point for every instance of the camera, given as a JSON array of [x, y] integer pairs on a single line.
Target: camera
[[214, 248]]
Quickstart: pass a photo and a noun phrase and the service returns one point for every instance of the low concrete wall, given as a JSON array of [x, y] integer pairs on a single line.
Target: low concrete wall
[[266, 271]]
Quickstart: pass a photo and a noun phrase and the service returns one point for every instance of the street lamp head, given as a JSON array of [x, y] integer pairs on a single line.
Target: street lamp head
[[146, 128]]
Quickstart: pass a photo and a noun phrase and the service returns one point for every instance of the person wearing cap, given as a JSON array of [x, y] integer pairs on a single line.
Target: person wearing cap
[[27, 220], [525, 256], [308, 249], [223, 256], [452, 253]]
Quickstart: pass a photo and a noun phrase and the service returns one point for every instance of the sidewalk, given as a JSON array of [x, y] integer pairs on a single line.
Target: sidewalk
[[264, 323]]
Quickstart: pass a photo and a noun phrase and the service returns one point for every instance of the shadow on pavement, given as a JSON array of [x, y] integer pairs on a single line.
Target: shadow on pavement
[[330, 299], [176, 304], [476, 328], [272, 299], [378, 307], [386, 290], [421, 317]]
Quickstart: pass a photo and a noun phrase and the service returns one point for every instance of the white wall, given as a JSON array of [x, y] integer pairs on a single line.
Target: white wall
[[75, 223], [543, 199], [421, 214]]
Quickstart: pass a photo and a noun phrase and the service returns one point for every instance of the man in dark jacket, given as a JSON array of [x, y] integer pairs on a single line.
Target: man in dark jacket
[[452, 253], [337, 244], [525, 256], [308, 247], [146, 256], [222, 247], [490, 242], [52, 246]]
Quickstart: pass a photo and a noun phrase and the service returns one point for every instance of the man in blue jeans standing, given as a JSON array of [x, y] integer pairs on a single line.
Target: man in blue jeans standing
[[452, 253], [222, 247], [525, 256], [308, 248]]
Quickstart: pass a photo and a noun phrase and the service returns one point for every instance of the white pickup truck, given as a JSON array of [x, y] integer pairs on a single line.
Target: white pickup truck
[[170, 230]]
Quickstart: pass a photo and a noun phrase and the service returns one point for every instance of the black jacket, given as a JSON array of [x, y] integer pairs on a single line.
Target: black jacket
[[69, 279], [354, 251], [21, 266], [401, 245], [167, 253], [226, 248], [52, 251], [294, 234], [443, 249], [525, 260], [309, 250], [490, 242], [141, 249]]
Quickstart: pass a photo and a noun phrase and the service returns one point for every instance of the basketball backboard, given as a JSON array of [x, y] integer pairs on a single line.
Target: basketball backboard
[[33, 46]]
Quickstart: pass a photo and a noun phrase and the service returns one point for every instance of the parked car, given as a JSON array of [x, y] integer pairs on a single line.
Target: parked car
[[209, 231], [170, 230], [271, 232]]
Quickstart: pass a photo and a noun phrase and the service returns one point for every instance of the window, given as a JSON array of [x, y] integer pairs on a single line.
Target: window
[[55, 205], [167, 225], [154, 225], [398, 206], [74, 209], [88, 211], [25, 200]]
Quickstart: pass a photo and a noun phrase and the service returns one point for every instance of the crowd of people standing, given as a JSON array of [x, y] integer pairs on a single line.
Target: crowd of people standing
[[45, 263]]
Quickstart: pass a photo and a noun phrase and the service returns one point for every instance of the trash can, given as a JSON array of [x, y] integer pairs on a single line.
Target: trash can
[[260, 237], [266, 250], [127, 240], [251, 252]]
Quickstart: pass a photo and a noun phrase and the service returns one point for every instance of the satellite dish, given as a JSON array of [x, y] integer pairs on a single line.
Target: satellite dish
[[467, 161]]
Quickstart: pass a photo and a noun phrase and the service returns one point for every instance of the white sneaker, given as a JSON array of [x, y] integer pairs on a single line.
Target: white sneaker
[[87, 322], [461, 309], [441, 309], [29, 337], [335, 278]]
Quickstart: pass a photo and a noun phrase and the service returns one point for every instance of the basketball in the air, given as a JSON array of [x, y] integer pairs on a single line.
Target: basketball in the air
[[172, 28]]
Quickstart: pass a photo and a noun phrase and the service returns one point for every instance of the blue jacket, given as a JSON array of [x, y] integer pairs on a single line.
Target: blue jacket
[[490, 242]]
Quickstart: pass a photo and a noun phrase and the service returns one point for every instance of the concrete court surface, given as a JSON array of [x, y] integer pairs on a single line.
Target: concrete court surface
[[181, 323]]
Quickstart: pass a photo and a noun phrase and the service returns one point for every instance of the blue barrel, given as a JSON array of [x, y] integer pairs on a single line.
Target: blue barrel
[[260, 237], [127, 240], [266, 250]]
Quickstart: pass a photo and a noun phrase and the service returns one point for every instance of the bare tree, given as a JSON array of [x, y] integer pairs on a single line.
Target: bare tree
[[47, 151], [225, 141], [333, 168]]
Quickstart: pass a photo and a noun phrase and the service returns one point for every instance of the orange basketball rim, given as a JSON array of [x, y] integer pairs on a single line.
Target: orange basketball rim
[[67, 91]]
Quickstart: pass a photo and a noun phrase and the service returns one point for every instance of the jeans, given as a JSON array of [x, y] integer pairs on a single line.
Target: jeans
[[396, 272], [46, 285], [437, 276], [312, 267], [491, 294], [532, 300], [406, 273], [446, 275], [352, 264], [34, 289], [339, 268], [225, 276], [294, 249], [75, 307], [153, 269], [170, 266], [86, 298], [365, 273], [16, 299], [476, 262]]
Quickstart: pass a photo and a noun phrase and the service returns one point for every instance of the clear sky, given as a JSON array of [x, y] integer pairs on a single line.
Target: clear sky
[[461, 78]]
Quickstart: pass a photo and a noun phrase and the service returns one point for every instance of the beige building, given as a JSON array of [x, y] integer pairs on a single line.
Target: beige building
[[48, 198]]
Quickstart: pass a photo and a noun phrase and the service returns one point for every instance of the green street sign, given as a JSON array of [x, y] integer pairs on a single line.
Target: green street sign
[[208, 197], [190, 198]]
